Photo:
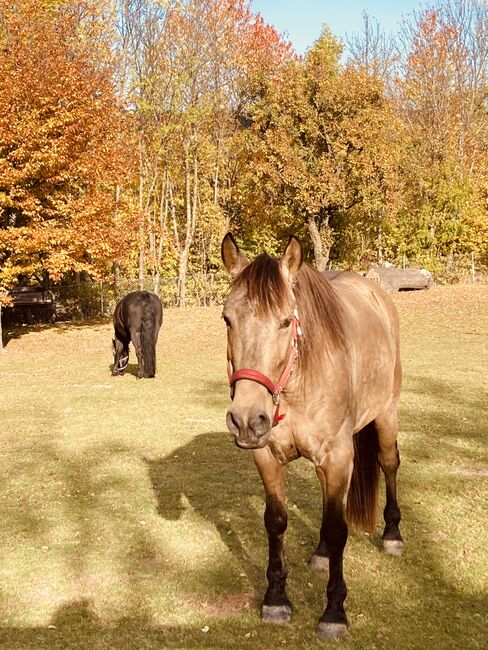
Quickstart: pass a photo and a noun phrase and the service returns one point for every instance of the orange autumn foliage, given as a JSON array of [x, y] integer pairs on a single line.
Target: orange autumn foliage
[[63, 142]]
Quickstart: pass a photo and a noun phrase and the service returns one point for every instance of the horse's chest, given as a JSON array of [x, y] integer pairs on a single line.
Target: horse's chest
[[283, 447]]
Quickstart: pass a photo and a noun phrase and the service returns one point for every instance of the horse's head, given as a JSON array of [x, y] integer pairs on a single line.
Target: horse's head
[[262, 332], [121, 356]]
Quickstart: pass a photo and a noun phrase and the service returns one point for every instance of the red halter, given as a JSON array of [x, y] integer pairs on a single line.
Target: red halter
[[255, 375]]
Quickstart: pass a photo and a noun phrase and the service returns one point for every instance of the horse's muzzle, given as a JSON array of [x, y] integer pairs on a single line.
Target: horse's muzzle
[[250, 432]]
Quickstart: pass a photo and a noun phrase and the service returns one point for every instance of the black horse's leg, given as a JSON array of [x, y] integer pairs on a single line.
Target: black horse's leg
[[276, 605], [320, 558], [136, 340], [389, 459], [337, 470]]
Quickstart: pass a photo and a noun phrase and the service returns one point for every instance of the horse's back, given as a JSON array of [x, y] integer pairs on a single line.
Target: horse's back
[[137, 307], [362, 295]]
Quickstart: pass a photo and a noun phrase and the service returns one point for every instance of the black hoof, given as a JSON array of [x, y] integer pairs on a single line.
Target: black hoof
[[332, 630], [276, 614]]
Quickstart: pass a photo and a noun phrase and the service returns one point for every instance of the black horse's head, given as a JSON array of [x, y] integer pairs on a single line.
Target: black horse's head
[[121, 357]]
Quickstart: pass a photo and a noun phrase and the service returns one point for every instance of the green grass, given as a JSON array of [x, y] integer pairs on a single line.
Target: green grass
[[129, 519]]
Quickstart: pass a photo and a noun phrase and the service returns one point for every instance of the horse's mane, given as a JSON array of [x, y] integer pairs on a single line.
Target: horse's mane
[[318, 306]]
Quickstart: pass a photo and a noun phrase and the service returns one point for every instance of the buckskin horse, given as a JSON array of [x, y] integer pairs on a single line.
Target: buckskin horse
[[137, 317], [314, 370]]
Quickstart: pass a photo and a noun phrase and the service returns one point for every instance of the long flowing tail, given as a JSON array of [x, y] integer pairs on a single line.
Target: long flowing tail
[[148, 341], [362, 500]]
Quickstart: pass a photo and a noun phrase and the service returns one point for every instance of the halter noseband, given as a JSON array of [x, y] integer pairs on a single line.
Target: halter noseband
[[255, 375], [122, 361]]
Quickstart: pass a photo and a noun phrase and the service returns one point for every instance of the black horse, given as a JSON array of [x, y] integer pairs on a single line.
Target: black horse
[[137, 317]]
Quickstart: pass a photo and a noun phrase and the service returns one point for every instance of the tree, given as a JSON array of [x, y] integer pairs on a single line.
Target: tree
[[63, 142], [374, 51], [189, 88], [443, 101], [322, 155]]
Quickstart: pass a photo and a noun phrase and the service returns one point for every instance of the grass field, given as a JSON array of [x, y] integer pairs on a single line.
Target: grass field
[[130, 520]]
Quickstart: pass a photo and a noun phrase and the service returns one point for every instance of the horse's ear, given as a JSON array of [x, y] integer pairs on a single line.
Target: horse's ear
[[292, 258], [234, 261]]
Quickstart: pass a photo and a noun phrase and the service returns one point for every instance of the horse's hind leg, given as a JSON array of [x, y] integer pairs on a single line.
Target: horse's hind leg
[[136, 340], [320, 558], [389, 459], [276, 605]]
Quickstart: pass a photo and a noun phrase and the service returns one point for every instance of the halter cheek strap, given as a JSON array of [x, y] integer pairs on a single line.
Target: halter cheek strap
[[258, 377]]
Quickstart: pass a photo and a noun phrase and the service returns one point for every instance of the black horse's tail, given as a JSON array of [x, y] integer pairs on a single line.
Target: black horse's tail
[[149, 334], [362, 500]]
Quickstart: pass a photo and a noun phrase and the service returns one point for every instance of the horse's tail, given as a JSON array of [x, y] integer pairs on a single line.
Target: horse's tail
[[148, 334], [362, 500]]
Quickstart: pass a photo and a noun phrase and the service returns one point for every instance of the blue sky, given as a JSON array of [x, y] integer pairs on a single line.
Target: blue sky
[[302, 20]]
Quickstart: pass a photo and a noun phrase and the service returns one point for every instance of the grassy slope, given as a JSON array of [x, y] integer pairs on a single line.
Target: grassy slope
[[129, 520]]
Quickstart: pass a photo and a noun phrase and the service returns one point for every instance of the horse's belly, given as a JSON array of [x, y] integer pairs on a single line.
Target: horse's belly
[[372, 400]]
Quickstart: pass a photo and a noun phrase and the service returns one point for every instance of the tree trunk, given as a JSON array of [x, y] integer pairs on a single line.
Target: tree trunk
[[321, 258], [184, 252], [182, 267], [117, 278], [1, 331], [141, 225], [392, 279], [191, 219]]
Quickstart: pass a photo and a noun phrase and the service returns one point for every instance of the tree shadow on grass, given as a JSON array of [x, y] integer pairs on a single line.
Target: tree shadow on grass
[[221, 484], [12, 332], [75, 627], [218, 480], [451, 422]]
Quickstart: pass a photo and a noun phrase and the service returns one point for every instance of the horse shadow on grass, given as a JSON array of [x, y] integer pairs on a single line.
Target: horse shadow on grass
[[221, 483], [131, 369], [17, 331]]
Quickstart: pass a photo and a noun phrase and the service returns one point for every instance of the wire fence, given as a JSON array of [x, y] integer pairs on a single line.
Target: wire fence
[[92, 299]]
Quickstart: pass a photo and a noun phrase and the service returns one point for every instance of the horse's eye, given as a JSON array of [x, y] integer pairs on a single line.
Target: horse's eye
[[226, 320], [285, 323]]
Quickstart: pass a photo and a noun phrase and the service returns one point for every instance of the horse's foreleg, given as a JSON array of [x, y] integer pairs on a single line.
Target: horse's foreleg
[[276, 605], [337, 470], [389, 458]]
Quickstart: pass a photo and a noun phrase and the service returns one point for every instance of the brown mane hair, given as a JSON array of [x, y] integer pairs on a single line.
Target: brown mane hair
[[318, 307]]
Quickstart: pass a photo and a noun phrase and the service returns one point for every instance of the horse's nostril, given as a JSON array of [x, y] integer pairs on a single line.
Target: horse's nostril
[[235, 422], [260, 424]]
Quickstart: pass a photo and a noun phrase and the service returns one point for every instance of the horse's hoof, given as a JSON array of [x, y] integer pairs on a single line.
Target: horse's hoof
[[319, 563], [276, 614], [332, 630], [393, 547]]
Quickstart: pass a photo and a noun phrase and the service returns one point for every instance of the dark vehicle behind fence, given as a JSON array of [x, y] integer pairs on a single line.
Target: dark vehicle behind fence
[[30, 304]]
